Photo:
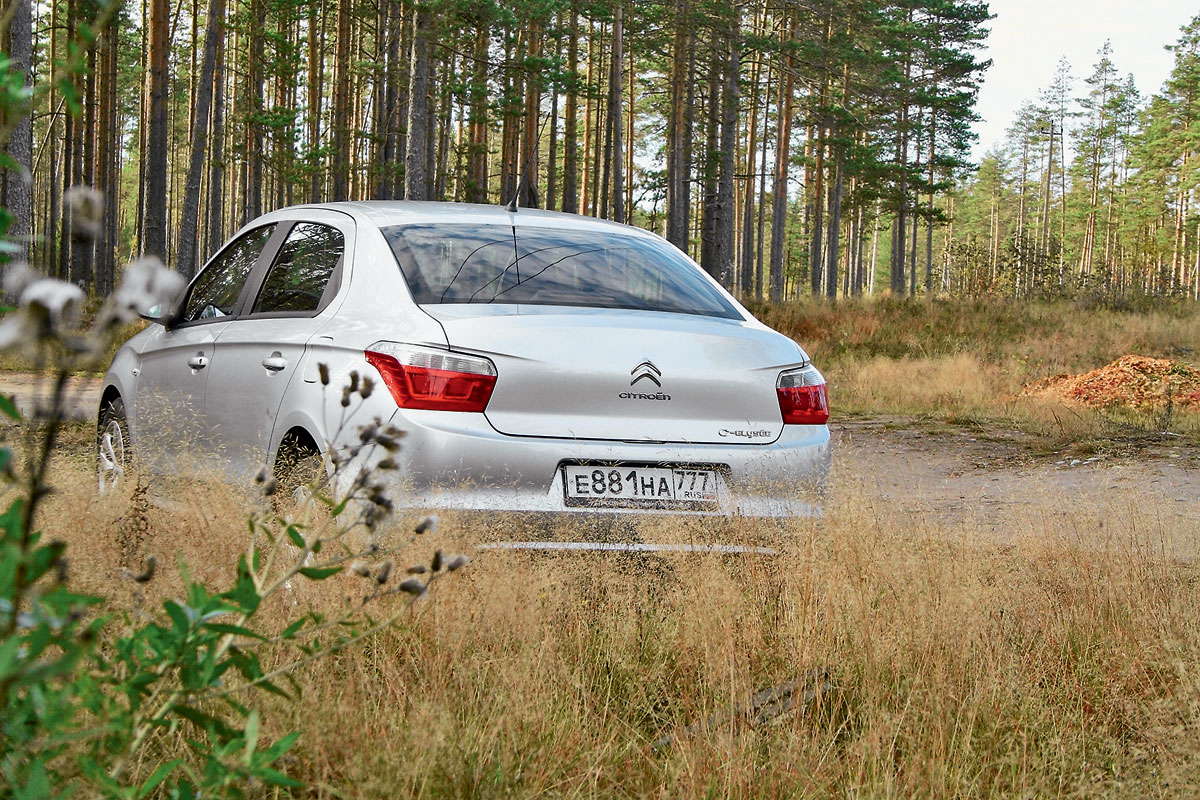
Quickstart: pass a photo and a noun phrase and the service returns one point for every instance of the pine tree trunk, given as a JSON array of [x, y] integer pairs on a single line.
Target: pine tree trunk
[[711, 163], [254, 130], [725, 252], [677, 166], [17, 194], [570, 174], [528, 159], [340, 122], [188, 244], [216, 161], [835, 226], [477, 148], [316, 90], [782, 163], [154, 222], [616, 117]]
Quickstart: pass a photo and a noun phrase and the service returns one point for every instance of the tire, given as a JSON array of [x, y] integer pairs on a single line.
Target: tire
[[114, 454], [299, 471]]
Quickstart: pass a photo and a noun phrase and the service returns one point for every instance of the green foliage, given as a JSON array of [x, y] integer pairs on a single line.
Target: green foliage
[[78, 701]]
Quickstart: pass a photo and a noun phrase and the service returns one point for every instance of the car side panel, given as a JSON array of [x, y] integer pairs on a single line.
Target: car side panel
[[168, 405]]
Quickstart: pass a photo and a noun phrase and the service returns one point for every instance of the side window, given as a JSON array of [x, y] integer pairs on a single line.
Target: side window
[[297, 280], [216, 291]]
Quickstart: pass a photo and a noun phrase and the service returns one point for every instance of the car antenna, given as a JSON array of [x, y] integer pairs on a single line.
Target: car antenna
[[512, 205]]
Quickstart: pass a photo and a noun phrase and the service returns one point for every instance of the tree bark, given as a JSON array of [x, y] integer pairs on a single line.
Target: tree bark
[[782, 164], [188, 243], [616, 118], [677, 166], [154, 222], [17, 183], [570, 174]]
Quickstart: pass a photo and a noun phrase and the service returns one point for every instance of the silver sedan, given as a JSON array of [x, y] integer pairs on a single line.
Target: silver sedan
[[535, 361]]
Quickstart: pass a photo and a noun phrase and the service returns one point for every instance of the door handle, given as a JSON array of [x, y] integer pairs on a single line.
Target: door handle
[[198, 361], [275, 362]]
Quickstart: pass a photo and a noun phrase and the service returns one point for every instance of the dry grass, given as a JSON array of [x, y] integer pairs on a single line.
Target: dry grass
[[1059, 661], [968, 360]]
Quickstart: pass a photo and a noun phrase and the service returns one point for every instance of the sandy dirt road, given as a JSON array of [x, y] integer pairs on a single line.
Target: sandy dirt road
[[989, 475], [33, 392]]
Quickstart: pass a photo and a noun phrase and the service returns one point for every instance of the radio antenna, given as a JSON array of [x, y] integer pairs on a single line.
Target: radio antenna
[[513, 205]]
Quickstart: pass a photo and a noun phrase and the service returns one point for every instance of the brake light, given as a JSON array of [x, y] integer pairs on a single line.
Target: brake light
[[432, 379], [803, 399]]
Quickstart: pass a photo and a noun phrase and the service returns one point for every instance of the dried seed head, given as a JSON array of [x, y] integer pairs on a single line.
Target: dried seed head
[[353, 386], [346, 397], [413, 586], [387, 464], [367, 433], [383, 572], [269, 486], [370, 517], [323, 372], [148, 566], [17, 278], [368, 386], [427, 524], [86, 206], [417, 569], [458, 562], [436, 564], [360, 568], [146, 285]]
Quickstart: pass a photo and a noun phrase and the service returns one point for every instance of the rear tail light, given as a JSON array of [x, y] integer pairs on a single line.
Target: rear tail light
[[428, 378], [802, 397]]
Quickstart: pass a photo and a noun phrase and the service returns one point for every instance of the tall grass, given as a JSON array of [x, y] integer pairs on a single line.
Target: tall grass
[[969, 359], [1057, 659]]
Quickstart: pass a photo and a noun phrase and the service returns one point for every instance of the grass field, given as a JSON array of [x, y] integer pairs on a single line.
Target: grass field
[[1057, 660], [967, 361]]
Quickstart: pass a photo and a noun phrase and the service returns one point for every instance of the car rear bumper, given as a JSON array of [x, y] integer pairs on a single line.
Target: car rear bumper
[[458, 461]]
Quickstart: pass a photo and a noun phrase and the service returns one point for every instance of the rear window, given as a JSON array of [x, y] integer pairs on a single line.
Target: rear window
[[543, 266]]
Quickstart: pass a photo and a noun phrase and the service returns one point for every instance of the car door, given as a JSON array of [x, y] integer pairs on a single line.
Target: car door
[[168, 418], [259, 354]]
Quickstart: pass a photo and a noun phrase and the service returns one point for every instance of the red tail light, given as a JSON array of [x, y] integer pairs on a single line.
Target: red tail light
[[802, 397], [437, 380]]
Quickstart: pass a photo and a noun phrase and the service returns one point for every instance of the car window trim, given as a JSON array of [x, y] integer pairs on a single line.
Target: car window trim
[[270, 249], [332, 286]]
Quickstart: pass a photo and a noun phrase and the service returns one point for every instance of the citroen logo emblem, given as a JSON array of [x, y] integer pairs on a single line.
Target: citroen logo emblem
[[646, 370]]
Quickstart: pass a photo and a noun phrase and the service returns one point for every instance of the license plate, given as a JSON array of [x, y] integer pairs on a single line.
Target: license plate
[[659, 487]]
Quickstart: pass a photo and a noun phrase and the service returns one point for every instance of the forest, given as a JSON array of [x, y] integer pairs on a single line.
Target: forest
[[792, 148]]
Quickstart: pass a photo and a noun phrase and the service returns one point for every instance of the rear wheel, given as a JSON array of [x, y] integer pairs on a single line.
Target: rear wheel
[[299, 471], [113, 453]]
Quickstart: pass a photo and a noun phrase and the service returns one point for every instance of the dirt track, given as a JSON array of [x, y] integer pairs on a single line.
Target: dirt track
[[985, 474], [33, 392]]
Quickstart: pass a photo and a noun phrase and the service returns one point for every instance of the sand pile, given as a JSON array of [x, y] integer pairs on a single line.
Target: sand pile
[[1134, 382]]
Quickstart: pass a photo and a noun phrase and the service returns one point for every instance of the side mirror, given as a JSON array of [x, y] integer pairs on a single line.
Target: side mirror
[[163, 314]]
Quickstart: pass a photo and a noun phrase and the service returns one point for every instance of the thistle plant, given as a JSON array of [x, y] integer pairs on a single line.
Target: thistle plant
[[85, 688]]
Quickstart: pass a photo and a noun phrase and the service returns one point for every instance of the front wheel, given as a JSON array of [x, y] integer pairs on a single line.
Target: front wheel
[[113, 454]]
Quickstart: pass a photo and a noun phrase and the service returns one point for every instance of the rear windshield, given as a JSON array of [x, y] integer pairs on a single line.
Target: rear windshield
[[543, 266]]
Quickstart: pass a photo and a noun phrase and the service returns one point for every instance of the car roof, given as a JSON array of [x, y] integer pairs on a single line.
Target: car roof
[[383, 213]]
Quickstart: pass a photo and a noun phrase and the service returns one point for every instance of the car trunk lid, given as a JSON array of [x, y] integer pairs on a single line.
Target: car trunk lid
[[625, 375]]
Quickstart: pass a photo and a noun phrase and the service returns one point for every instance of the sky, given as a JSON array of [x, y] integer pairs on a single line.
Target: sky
[[1029, 37]]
